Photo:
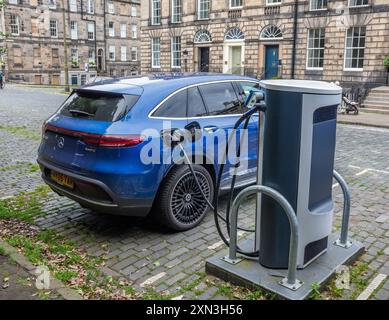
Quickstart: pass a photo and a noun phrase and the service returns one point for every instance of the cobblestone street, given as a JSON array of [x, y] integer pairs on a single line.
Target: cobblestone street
[[151, 256]]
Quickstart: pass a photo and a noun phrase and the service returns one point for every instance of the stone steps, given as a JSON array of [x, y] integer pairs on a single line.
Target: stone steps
[[377, 101], [379, 94], [374, 110], [375, 106], [383, 89]]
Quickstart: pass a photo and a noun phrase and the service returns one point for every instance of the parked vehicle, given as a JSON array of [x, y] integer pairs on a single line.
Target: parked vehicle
[[98, 79], [90, 150]]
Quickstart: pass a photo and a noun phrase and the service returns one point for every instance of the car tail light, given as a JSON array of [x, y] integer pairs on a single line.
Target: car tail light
[[99, 140]]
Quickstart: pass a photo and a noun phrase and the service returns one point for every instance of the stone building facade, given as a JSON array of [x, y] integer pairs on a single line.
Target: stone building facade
[[101, 37], [344, 40]]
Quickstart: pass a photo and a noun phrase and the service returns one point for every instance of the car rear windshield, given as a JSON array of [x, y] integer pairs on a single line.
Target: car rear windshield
[[99, 106]]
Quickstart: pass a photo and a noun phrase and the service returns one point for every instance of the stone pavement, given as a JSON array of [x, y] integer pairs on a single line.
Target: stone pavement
[[17, 284], [149, 255], [365, 119]]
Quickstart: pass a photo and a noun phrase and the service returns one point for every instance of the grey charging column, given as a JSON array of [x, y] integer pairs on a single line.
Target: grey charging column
[[298, 162]]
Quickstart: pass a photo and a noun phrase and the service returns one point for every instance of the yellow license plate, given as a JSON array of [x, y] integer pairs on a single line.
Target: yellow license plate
[[62, 179]]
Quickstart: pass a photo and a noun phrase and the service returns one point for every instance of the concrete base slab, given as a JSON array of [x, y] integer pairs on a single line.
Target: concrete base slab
[[250, 273]]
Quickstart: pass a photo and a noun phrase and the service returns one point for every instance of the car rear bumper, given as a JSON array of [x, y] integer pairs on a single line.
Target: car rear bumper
[[94, 194]]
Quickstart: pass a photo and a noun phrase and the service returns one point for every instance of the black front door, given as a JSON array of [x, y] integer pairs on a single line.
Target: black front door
[[204, 59], [100, 60]]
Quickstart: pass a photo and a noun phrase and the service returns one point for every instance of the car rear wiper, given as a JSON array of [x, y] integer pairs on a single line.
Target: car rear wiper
[[81, 113]]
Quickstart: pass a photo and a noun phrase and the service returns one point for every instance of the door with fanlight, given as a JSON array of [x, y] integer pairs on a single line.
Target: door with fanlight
[[271, 62], [236, 59], [204, 59]]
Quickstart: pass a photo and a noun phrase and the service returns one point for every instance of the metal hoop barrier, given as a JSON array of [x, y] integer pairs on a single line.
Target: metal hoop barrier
[[290, 281], [343, 242]]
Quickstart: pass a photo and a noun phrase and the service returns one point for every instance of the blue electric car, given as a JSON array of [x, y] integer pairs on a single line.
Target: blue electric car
[[91, 147]]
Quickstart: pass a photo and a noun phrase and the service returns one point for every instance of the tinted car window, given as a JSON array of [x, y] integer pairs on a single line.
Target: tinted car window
[[196, 107], [98, 106], [174, 107], [221, 98]]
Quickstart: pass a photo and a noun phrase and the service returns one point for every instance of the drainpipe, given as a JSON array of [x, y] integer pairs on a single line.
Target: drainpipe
[[294, 39], [2, 18], [105, 39], [3, 40], [65, 47]]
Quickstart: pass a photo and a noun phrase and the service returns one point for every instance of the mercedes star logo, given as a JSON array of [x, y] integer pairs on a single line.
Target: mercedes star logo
[[61, 142]]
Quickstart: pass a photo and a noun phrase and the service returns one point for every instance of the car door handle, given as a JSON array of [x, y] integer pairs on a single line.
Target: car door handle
[[210, 129]]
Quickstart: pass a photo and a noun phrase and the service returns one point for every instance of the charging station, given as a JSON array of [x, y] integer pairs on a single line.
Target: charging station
[[294, 206]]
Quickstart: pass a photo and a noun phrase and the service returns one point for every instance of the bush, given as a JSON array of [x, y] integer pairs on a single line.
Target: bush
[[386, 61]]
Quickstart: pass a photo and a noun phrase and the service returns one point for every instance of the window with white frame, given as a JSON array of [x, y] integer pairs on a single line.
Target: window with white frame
[[74, 54], [123, 30], [176, 52], [203, 7], [13, 1], [91, 56], [357, 3], [83, 79], [111, 7], [52, 4], [176, 11], [73, 5], [156, 52], [134, 54], [315, 48], [112, 53], [354, 48], [111, 29], [155, 11], [133, 11], [91, 31], [54, 28], [273, 2], [91, 6], [123, 53], [134, 31], [235, 4], [73, 30], [318, 5], [14, 25]]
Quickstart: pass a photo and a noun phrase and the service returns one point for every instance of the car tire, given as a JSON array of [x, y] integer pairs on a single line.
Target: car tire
[[180, 205]]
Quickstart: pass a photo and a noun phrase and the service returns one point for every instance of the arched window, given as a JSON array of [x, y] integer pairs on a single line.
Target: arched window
[[202, 35], [234, 34], [271, 32]]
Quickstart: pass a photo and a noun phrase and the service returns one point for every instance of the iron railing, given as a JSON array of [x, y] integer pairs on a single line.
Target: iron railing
[[356, 93]]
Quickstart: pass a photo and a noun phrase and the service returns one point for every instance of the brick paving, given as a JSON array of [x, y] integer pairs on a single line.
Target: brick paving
[[150, 256]]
